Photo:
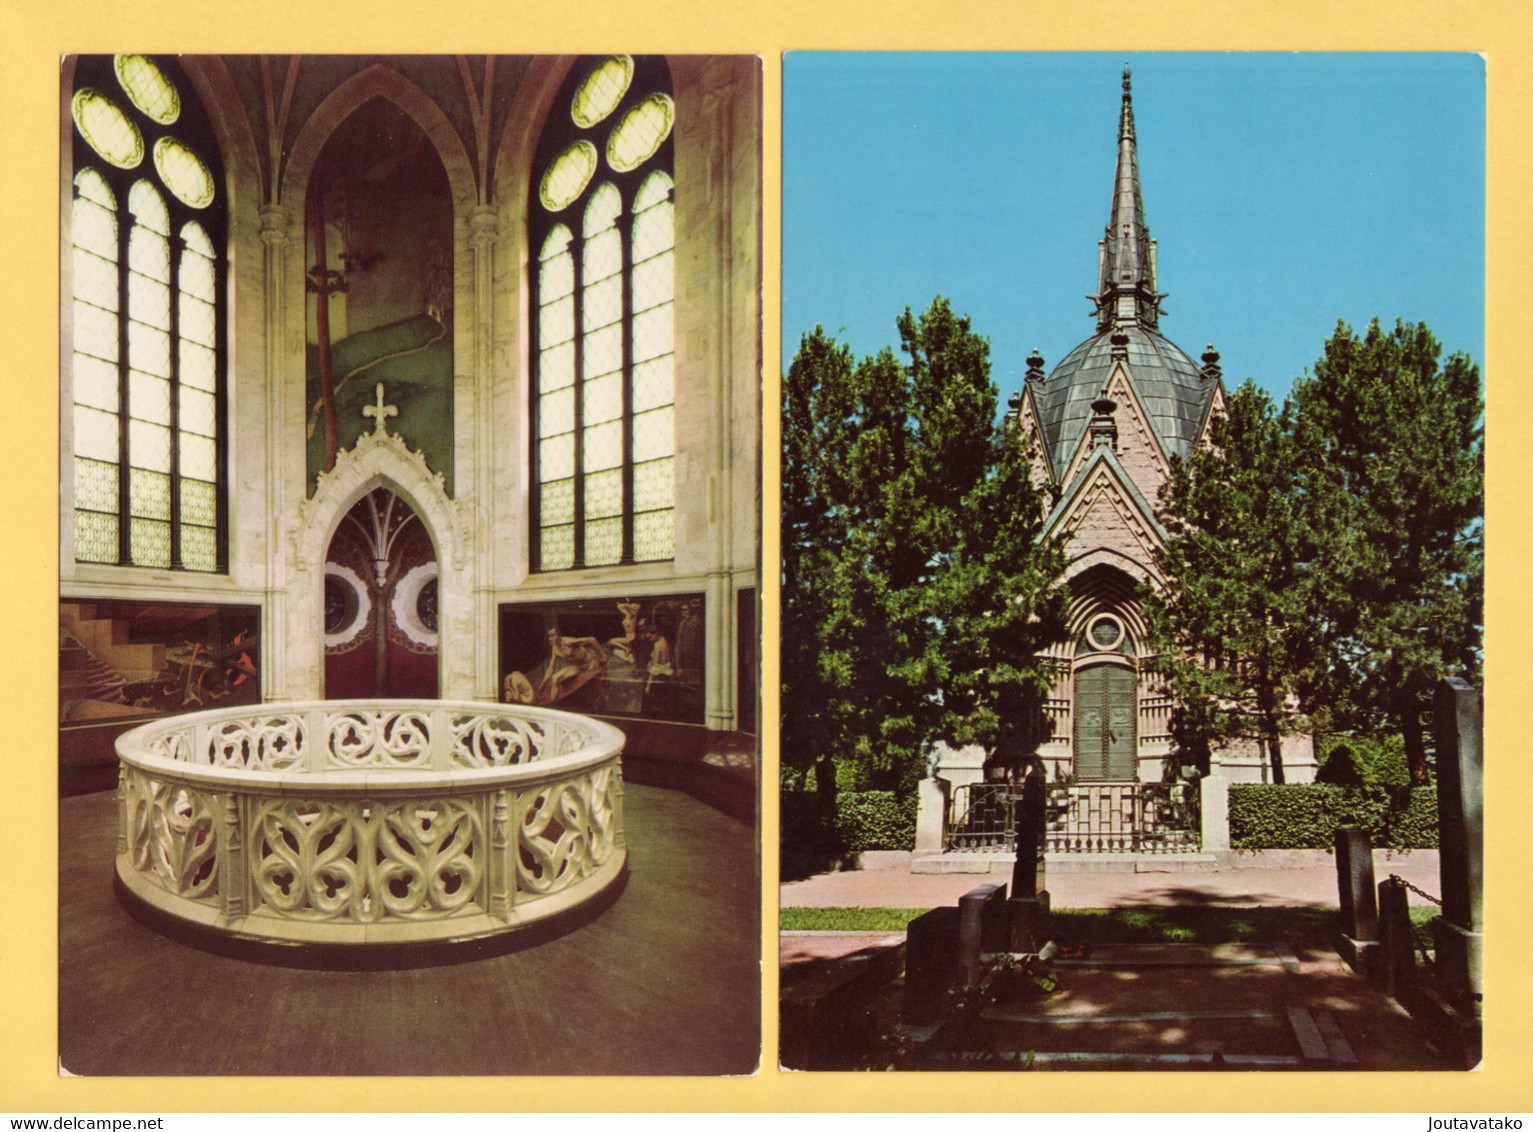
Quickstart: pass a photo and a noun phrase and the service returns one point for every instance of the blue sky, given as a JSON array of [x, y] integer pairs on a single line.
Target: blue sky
[[1285, 191]]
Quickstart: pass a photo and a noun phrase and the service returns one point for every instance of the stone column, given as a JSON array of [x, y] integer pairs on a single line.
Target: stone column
[[274, 224], [1460, 822], [483, 232], [719, 707]]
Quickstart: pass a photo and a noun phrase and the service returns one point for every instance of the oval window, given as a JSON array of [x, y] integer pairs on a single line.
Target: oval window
[[603, 89], [635, 139], [148, 88], [568, 176], [110, 132], [184, 173]]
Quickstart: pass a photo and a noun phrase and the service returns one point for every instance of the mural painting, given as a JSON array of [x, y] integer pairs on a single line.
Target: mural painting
[[125, 660], [378, 237], [642, 657]]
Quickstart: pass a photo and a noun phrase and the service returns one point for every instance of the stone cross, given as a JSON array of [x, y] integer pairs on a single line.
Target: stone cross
[[1029, 903], [379, 411]]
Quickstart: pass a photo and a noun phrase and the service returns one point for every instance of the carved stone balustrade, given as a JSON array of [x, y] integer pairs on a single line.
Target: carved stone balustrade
[[369, 822]]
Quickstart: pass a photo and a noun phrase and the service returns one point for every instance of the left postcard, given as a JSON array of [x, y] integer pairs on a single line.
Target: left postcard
[[409, 565]]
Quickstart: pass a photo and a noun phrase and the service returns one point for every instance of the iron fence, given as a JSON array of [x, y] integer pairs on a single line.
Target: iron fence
[[1090, 817]]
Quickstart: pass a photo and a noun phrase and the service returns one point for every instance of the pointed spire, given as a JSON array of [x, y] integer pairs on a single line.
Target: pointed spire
[[1126, 292]]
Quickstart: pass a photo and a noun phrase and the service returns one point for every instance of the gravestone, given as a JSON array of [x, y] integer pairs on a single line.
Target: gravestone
[[982, 929], [932, 974]]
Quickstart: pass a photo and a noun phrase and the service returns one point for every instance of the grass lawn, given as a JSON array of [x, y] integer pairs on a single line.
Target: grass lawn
[[1178, 924]]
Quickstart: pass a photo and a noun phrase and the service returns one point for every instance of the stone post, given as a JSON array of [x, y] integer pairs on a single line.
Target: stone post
[[1214, 811], [1460, 822], [1397, 972], [1355, 887], [931, 815]]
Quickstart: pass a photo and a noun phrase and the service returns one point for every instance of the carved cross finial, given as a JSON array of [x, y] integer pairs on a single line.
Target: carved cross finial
[[379, 411]]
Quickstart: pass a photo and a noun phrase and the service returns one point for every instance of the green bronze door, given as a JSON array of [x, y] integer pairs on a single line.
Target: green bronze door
[[1106, 717]]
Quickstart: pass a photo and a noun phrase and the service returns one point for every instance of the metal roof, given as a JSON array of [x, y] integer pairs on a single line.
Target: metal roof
[[1168, 383]]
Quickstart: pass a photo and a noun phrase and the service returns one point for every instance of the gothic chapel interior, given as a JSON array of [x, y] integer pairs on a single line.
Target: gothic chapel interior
[[413, 379], [415, 376]]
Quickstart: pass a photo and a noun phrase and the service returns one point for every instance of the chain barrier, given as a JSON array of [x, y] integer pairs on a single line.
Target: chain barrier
[[1424, 895]]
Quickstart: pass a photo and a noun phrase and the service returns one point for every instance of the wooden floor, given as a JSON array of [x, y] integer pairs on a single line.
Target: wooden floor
[[666, 981]]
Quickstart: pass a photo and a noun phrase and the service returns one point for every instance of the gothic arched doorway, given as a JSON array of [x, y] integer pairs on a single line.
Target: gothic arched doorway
[[1106, 739], [1106, 704], [381, 637]]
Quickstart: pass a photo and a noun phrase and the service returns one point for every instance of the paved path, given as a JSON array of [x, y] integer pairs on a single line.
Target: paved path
[[897, 888], [1308, 1011]]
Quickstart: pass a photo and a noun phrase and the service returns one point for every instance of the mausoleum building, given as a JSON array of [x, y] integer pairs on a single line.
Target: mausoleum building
[[1103, 426]]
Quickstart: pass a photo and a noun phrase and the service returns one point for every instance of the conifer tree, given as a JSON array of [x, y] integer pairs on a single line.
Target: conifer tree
[[1231, 628], [916, 592], [1390, 443]]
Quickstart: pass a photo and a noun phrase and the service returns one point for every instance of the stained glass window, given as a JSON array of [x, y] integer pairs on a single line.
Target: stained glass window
[[147, 369], [148, 88], [568, 176], [106, 129], [604, 386], [601, 91], [635, 138], [183, 172]]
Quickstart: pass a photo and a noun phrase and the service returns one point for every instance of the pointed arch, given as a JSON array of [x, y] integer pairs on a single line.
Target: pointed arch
[[380, 460], [380, 81], [242, 181]]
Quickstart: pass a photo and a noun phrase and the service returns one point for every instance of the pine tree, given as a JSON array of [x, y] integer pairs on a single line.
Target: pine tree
[[1391, 446]]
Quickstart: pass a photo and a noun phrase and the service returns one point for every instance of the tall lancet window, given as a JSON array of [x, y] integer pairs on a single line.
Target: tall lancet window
[[147, 228], [604, 434]]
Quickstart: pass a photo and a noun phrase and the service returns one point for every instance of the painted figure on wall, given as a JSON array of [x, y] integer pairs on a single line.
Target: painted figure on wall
[[378, 228], [571, 662], [123, 660], [641, 658]]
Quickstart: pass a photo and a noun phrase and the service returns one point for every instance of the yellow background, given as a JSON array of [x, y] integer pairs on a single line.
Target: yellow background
[[35, 33]]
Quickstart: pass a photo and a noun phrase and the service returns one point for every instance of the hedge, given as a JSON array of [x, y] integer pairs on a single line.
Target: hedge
[[1305, 816], [875, 819]]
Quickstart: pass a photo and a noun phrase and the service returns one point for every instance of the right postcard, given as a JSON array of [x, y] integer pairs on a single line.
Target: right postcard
[[1132, 561]]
